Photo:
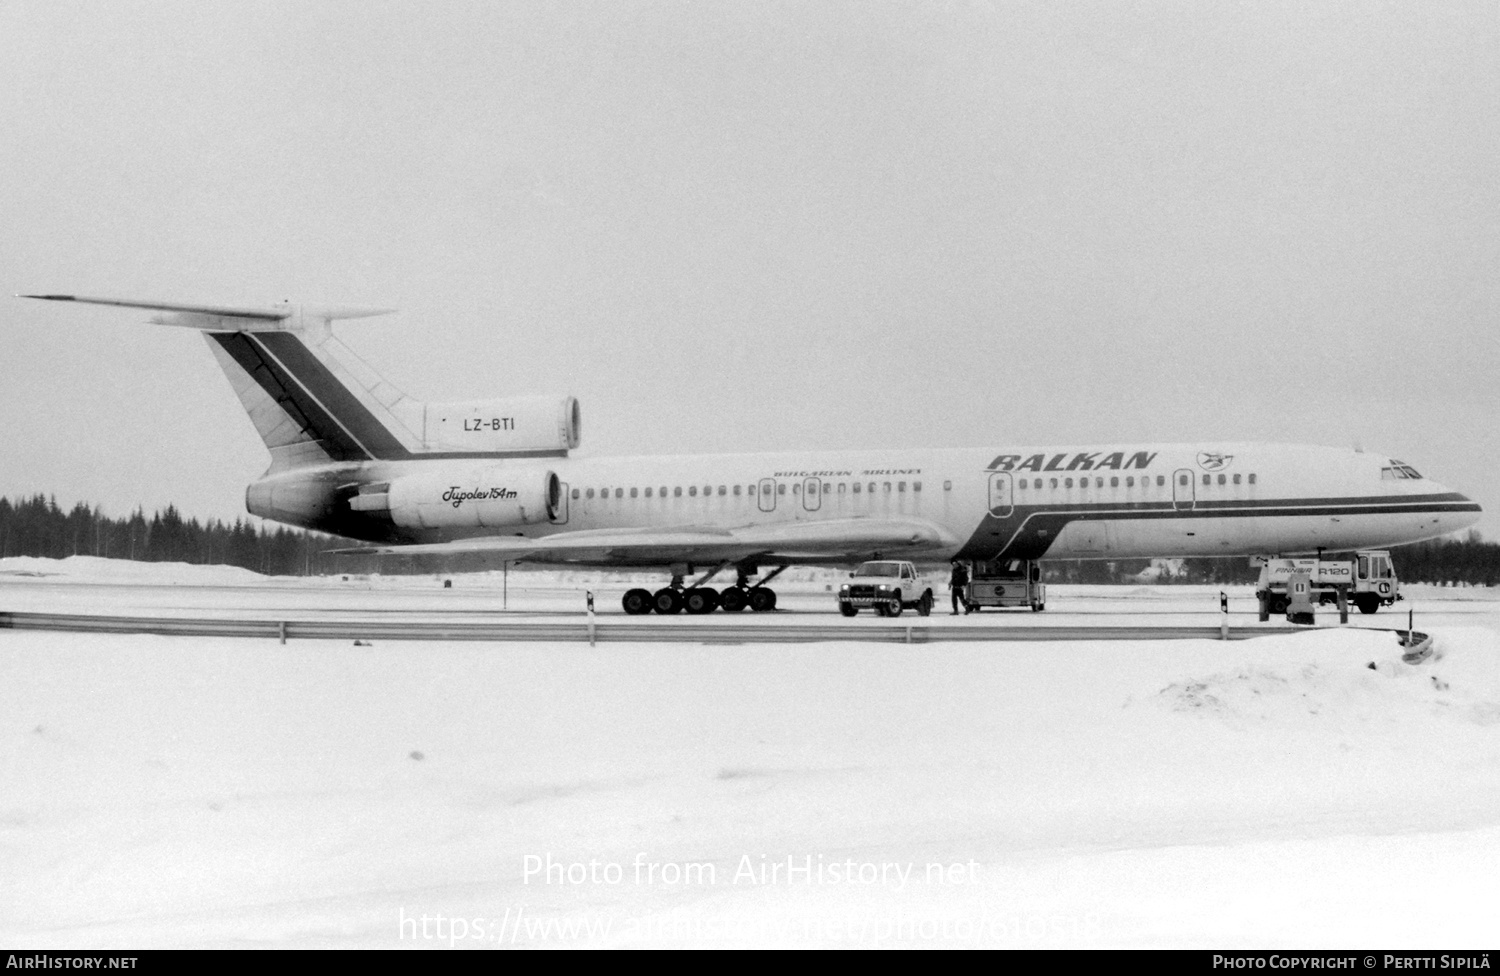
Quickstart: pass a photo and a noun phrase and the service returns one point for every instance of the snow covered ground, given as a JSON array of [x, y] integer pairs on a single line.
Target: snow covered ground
[[161, 791]]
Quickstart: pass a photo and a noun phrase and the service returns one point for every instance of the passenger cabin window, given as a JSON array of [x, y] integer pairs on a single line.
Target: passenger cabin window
[[781, 489], [947, 486], [856, 487], [591, 493], [1252, 479], [1161, 479], [916, 486], [575, 493], [1222, 479], [1236, 479], [648, 492], [677, 491]]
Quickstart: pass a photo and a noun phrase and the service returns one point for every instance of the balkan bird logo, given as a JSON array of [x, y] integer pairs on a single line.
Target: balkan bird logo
[[1209, 461]]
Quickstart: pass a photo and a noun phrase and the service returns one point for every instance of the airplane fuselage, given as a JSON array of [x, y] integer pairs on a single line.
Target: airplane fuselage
[[1092, 502]]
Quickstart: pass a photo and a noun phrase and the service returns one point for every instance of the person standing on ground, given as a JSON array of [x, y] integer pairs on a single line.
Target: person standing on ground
[[957, 582]]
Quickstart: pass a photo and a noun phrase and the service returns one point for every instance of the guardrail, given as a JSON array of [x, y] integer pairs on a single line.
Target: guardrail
[[591, 630]]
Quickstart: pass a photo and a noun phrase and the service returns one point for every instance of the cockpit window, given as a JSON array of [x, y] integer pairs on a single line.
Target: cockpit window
[[1398, 470]]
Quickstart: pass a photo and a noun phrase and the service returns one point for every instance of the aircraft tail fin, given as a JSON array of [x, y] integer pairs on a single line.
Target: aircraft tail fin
[[311, 399]]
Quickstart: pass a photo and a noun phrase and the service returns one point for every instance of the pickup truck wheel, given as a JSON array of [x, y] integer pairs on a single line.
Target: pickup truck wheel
[[896, 605], [924, 605], [847, 609]]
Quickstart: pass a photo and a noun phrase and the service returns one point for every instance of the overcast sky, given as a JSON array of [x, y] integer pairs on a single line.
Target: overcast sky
[[760, 226]]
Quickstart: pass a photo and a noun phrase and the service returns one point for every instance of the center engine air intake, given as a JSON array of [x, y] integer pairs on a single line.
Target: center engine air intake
[[482, 497]]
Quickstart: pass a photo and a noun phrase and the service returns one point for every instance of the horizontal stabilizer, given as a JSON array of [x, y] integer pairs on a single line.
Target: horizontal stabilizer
[[228, 318]]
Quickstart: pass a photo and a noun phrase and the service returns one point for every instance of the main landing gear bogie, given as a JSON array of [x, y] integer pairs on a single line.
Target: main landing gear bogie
[[698, 600]]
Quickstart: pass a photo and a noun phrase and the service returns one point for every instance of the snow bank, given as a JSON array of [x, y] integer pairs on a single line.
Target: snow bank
[[96, 569], [182, 792]]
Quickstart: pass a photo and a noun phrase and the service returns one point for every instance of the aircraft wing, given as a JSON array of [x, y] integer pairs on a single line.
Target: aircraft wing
[[834, 540]]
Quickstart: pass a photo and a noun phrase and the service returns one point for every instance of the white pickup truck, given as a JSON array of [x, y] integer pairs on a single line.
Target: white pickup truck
[[887, 586]]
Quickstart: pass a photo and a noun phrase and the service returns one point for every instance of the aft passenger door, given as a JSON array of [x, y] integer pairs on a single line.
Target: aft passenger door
[[1182, 490], [1002, 499]]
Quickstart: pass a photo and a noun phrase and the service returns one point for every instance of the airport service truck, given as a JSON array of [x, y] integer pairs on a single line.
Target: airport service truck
[[886, 586], [1006, 583], [1366, 579]]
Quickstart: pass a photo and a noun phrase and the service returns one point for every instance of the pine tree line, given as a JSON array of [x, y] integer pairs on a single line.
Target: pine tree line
[[36, 526]]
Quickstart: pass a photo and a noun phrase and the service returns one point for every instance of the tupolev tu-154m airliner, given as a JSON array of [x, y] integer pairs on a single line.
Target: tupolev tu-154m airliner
[[353, 456]]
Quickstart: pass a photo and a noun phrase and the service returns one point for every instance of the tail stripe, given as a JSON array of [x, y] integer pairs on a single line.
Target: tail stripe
[[340, 403], [278, 384]]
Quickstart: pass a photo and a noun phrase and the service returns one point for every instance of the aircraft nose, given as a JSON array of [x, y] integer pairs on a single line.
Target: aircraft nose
[[1463, 513]]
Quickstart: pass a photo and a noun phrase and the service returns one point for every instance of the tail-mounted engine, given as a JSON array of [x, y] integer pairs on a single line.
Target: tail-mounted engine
[[478, 497], [513, 424]]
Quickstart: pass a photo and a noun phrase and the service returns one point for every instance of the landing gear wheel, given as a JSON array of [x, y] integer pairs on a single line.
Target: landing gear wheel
[[1367, 602], [733, 600], [1037, 607], [701, 599], [924, 605], [667, 600], [848, 609], [762, 599], [637, 602]]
